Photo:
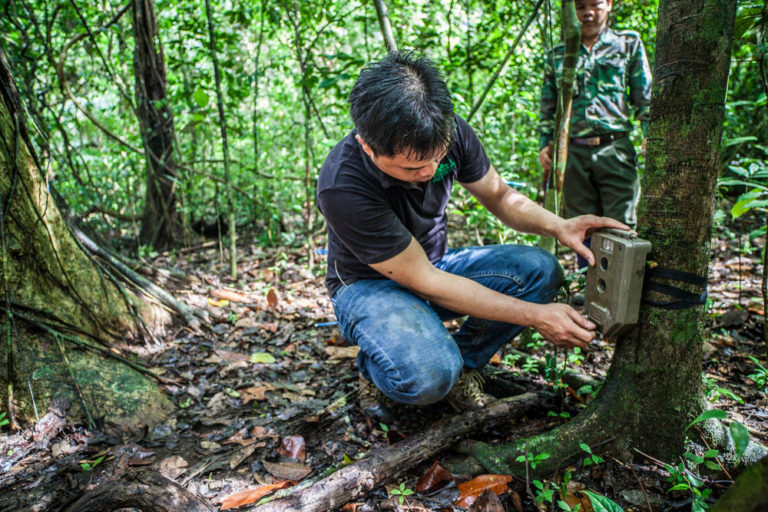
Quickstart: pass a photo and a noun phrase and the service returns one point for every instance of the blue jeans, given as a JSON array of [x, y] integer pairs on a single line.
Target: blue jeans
[[405, 349]]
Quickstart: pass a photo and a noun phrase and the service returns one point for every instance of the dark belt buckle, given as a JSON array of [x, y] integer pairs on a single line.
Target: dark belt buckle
[[594, 141]]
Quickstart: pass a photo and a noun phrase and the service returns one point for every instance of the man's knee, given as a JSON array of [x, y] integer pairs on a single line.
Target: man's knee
[[430, 383]]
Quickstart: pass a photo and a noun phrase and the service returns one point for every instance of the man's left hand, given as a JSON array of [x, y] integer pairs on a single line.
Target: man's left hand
[[572, 232]]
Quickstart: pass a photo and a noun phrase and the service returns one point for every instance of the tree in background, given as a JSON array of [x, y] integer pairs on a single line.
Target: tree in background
[[162, 224]]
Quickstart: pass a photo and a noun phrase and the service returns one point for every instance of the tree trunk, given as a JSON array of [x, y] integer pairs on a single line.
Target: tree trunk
[[653, 386], [161, 225], [49, 281]]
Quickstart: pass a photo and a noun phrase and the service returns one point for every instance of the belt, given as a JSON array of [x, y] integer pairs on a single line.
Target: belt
[[599, 140]]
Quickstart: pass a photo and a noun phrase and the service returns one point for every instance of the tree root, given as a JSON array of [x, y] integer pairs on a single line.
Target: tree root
[[144, 490], [561, 445]]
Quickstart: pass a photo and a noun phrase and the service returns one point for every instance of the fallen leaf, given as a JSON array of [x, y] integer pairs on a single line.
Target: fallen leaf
[[469, 491], [255, 393], [231, 356], [242, 454], [270, 326], [293, 447], [230, 295], [517, 501], [495, 359], [218, 303], [252, 495], [173, 467], [246, 322], [259, 432], [272, 299], [287, 470], [487, 502], [435, 478], [262, 357], [342, 352], [210, 445]]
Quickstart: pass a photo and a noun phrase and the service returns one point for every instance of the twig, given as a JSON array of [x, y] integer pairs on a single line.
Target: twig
[[637, 477]]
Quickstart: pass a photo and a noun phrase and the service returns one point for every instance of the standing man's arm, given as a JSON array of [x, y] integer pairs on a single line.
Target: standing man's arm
[[640, 81], [548, 107]]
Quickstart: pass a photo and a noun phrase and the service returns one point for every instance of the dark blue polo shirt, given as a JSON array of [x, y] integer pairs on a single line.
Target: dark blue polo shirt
[[372, 216]]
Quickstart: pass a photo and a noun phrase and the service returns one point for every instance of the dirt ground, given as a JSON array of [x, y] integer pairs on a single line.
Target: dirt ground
[[267, 395]]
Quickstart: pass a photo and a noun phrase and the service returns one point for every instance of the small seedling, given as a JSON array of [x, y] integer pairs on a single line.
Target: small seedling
[[533, 460], [88, 466], [401, 492], [759, 376], [591, 458]]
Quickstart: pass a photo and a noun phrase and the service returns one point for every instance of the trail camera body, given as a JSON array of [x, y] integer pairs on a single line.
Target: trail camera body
[[615, 283]]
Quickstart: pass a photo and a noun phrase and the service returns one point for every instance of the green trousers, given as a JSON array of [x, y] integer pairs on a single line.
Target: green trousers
[[602, 180]]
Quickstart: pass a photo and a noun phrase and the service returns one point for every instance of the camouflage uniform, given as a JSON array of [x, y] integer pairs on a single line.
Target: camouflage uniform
[[601, 178]]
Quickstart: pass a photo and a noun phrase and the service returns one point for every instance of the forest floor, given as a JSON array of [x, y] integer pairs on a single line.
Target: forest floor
[[267, 395]]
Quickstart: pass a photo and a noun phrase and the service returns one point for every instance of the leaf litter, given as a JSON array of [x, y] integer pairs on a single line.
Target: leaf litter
[[266, 398]]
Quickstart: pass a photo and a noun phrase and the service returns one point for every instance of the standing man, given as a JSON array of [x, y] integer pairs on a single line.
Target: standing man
[[612, 73], [383, 191]]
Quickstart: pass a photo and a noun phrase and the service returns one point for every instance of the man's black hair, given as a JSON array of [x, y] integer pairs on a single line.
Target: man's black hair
[[401, 104]]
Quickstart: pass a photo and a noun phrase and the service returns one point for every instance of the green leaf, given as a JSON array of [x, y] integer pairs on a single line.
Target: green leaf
[[740, 436], [262, 357], [679, 487], [712, 413], [601, 503], [201, 98], [711, 453], [586, 448], [738, 140], [712, 465]]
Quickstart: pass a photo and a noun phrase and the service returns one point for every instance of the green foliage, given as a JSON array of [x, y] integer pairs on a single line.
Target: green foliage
[[89, 466], [591, 458], [531, 459], [601, 503], [713, 391], [759, 376], [706, 415], [402, 492], [683, 480], [3, 420]]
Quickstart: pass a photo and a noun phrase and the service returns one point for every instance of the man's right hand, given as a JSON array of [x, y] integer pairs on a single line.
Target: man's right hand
[[563, 326], [545, 158]]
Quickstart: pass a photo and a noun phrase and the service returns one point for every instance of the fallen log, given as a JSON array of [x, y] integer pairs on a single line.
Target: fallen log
[[146, 490], [356, 480]]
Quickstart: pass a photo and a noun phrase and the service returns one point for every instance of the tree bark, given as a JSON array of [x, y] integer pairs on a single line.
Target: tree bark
[[161, 225], [653, 386], [47, 278]]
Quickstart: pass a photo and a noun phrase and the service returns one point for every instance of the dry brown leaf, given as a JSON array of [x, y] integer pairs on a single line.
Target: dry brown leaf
[[272, 299], [435, 478], [487, 502], [259, 432], [270, 326], [173, 467], [293, 447], [469, 491], [287, 470], [255, 393], [495, 359], [252, 495], [242, 454], [342, 352], [246, 322], [230, 295], [227, 355]]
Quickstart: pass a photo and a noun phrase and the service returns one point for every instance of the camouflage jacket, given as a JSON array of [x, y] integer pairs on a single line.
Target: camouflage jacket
[[613, 74]]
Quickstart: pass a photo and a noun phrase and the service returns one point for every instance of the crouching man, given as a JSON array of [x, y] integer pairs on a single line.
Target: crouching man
[[383, 190]]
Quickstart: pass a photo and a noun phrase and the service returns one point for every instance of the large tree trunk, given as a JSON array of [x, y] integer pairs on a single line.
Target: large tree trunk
[[653, 387], [52, 294], [161, 224]]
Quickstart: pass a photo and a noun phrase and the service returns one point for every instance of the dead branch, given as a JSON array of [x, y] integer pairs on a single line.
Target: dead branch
[[356, 480], [144, 490]]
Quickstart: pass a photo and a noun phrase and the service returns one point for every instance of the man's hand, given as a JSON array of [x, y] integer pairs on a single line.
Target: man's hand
[[545, 158], [572, 232], [563, 325]]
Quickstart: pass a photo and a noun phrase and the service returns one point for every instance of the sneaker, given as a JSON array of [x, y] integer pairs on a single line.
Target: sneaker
[[467, 393], [373, 402]]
